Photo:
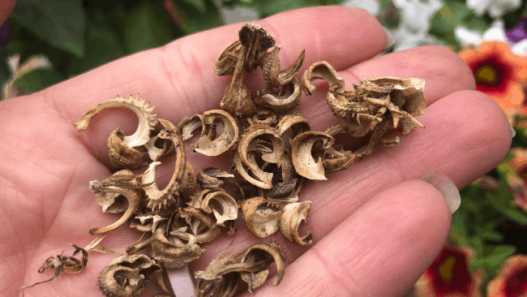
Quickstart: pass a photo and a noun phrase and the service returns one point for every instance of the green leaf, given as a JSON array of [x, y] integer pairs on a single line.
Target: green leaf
[[520, 140], [192, 21], [100, 49], [103, 45], [495, 236], [329, 2], [449, 17], [269, 7], [200, 5], [57, 22], [515, 215], [502, 203], [476, 244], [27, 45], [146, 27], [38, 79], [485, 229], [511, 18], [4, 69], [458, 229], [492, 257], [384, 4], [453, 14], [475, 22], [3, 77], [507, 158]]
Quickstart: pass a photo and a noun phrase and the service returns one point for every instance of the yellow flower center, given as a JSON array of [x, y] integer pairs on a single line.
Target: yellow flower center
[[445, 12], [486, 74], [446, 269]]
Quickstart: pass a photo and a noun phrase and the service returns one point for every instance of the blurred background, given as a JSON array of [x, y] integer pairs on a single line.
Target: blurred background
[[43, 42]]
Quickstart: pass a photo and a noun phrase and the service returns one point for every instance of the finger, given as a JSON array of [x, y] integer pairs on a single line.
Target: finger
[[444, 73], [390, 240], [179, 79], [466, 135]]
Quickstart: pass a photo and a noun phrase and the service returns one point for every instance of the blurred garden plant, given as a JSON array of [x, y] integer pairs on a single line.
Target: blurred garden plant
[[46, 41], [484, 255], [76, 35]]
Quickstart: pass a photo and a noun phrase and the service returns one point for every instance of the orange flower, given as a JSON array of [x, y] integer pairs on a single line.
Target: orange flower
[[499, 74], [523, 111], [517, 168], [511, 280], [448, 276]]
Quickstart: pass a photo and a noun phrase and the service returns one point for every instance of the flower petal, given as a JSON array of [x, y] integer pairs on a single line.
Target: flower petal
[[511, 280], [466, 36], [520, 48], [449, 276], [495, 32]]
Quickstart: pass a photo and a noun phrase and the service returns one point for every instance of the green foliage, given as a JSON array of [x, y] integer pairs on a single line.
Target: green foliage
[[77, 35], [491, 258], [57, 22], [511, 18], [455, 13], [384, 4], [192, 20], [269, 7], [265, 8], [476, 222], [450, 16], [520, 140], [329, 2], [38, 79], [147, 26], [502, 201], [103, 45], [3, 76], [200, 5], [110, 30], [4, 72]]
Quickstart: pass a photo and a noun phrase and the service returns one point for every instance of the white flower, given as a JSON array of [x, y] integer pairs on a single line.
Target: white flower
[[495, 8], [415, 14], [371, 6], [414, 23], [405, 40], [495, 33], [470, 37], [238, 14], [520, 48], [466, 36]]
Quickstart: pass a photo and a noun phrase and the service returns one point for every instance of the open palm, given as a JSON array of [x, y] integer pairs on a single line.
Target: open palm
[[372, 224]]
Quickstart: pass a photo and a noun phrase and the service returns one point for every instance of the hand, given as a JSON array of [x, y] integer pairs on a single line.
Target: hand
[[376, 226]]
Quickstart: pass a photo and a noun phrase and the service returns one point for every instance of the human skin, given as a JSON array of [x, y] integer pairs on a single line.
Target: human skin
[[376, 227]]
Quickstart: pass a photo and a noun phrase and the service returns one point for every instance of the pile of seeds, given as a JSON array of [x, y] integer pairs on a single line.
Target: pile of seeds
[[273, 152]]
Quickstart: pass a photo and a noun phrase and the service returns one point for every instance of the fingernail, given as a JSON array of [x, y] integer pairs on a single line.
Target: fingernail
[[389, 39], [446, 186], [513, 132], [182, 282]]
